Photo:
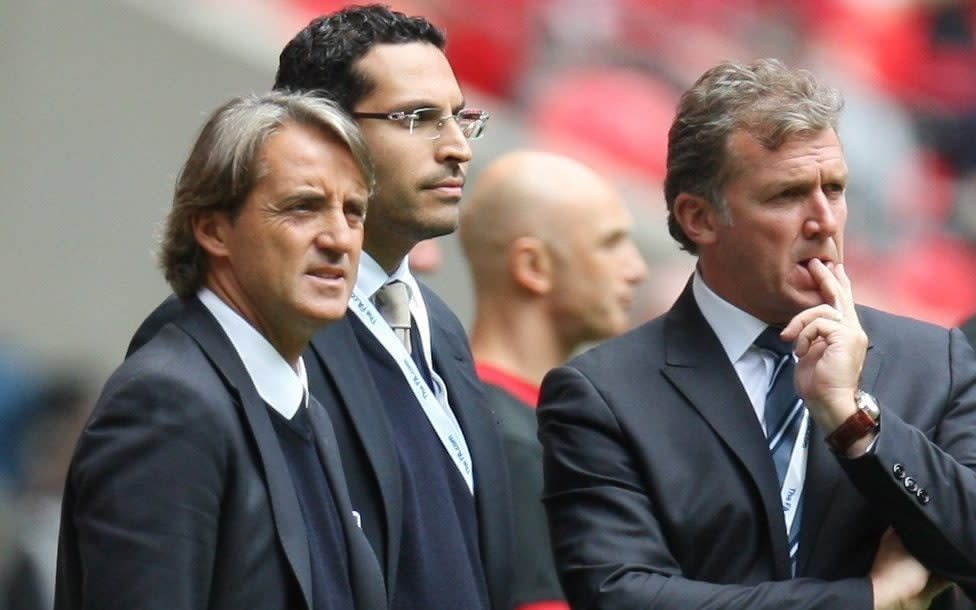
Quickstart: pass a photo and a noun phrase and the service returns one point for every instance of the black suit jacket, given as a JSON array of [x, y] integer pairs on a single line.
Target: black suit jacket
[[179, 496], [660, 492], [336, 364], [339, 378], [535, 579], [968, 328]]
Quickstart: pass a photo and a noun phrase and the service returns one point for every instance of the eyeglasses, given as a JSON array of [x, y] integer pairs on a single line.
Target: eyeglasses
[[428, 122]]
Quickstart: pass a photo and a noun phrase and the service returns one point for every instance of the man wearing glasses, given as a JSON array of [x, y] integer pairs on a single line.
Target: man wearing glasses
[[421, 451]]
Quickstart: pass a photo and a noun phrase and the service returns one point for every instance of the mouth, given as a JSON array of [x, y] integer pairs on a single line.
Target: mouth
[[626, 301], [803, 275], [449, 187], [449, 183], [330, 275], [826, 260]]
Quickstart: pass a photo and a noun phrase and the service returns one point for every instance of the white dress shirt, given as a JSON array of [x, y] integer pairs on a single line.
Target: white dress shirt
[[372, 277], [736, 330], [284, 388]]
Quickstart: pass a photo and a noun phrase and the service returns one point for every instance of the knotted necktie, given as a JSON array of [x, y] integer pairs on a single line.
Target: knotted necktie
[[783, 416], [393, 303]]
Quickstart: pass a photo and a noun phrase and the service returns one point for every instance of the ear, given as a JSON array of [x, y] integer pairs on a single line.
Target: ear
[[530, 265], [210, 228], [698, 218]]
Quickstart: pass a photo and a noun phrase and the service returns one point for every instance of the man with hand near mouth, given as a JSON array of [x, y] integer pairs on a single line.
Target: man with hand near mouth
[[766, 443]]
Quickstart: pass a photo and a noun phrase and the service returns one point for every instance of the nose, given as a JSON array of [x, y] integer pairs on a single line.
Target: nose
[[336, 236], [824, 217], [636, 268], [452, 146]]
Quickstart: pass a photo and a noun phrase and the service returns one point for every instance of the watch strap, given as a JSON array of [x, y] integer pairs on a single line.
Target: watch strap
[[855, 427]]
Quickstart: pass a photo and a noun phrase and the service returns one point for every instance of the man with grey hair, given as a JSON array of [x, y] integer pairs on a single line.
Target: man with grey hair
[[766, 443], [207, 477], [420, 448]]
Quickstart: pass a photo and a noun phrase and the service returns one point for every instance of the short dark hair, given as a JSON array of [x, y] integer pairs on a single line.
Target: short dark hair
[[322, 57], [766, 99], [223, 168]]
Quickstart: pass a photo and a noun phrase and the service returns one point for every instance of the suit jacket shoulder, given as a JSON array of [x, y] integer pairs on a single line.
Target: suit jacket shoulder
[[149, 478], [165, 312]]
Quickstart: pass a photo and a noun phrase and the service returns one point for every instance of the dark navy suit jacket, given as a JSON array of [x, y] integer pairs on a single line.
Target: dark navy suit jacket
[[335, 363], [179, 496]]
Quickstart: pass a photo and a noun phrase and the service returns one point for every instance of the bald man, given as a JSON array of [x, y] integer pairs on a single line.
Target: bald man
[[548, 242]]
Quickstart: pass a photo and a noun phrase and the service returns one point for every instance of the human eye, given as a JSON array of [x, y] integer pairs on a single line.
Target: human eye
[[355, 211], [618, 240], [420, 118], [790, 194], [834, 189], [426, 115], [303, 205]]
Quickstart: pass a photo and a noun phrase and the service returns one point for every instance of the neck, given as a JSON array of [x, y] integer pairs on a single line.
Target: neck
[[518, 340], [388, 253], [289, 345]]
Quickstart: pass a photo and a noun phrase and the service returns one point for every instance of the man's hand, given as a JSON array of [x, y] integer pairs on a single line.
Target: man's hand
[[899, 581], [830, 349]]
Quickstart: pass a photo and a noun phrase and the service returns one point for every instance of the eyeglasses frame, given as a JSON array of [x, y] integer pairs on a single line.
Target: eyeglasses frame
[[411, 115]]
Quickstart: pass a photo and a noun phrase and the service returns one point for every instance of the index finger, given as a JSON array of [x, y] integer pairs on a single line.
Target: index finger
[[834, 285], [847, 302]]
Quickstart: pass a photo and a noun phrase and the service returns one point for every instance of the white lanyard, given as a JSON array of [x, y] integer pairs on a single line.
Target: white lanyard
[[791, 492], [438, 412]]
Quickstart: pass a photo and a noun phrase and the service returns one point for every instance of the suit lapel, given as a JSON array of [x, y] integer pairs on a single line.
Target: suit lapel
[[700, 369], [365, 574], [338, 349], [463, 391], [823, 472], [198, 323]]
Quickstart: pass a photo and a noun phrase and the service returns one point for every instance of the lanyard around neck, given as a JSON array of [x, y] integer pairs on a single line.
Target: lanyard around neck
[[438, 412]]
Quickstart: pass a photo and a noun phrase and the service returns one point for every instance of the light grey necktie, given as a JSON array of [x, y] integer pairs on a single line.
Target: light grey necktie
[[393, 302]]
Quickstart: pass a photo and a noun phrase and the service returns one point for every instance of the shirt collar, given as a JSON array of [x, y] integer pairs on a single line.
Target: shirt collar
[[372, 277], [735, 329], [284, 388]]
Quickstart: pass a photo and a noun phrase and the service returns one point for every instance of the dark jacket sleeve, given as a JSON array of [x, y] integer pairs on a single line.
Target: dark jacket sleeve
[[140, 512], [922, 475]]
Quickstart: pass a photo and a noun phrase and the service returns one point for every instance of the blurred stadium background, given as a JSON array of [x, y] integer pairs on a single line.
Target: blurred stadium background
[[102, 99]]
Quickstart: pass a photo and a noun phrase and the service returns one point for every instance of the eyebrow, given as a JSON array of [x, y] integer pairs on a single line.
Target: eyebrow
[[304, 195], [416, 104], [356, 200], [803, 182]]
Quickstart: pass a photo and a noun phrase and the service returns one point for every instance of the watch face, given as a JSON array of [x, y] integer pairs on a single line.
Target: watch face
[[868, 404]]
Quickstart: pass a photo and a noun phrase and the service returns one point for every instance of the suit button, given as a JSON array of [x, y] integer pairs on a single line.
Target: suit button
[[923, 496], [899, 471], [911, 485]]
